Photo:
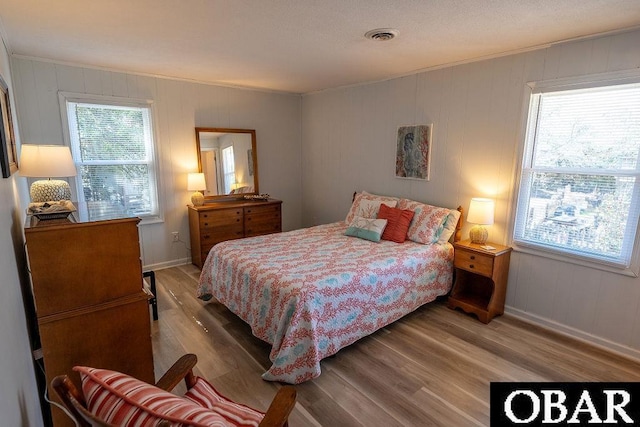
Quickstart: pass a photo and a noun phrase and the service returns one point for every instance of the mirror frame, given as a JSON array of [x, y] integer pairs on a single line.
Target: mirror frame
[[255, 160]]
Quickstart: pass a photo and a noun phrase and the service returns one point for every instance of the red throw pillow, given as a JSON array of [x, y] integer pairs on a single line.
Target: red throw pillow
[[398, 221]]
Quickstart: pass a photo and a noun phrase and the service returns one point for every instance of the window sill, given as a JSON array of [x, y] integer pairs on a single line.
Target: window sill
[[631, 271], [151, 220]]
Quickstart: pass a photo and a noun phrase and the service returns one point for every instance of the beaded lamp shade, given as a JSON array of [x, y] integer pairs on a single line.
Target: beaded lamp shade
[[47, 161]]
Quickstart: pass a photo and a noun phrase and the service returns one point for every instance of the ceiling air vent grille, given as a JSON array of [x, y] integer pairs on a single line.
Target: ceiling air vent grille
[[381, 34]]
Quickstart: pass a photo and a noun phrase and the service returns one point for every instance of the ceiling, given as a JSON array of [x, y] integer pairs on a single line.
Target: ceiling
[[297, 46]]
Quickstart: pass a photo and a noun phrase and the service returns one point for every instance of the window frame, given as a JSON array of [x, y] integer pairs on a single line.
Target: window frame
[[228, 168], [524, 155], [154, 166]]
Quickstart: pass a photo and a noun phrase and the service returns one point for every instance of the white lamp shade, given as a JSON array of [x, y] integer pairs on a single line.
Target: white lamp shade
[[196, 182], [481, 211], [46, 161]]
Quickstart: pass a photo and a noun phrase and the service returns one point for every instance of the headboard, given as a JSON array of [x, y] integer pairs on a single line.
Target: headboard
[[457, 236]]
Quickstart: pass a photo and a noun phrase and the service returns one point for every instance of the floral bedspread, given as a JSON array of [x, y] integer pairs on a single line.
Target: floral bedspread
[[313, 291]]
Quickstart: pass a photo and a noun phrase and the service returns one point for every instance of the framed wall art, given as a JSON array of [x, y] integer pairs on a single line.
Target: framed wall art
[[413, 152], [8, 157]]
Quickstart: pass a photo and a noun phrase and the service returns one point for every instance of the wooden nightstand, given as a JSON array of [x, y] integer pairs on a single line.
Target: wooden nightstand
[[481, 279]]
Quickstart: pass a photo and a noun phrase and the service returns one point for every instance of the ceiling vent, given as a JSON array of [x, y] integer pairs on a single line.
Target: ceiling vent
[[381, 34]]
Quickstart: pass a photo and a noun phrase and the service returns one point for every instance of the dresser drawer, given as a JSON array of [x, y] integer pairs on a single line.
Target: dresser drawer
[[474, 262], [262, 220], [219, 234], [272, 210], [222, 217], [259, 228]]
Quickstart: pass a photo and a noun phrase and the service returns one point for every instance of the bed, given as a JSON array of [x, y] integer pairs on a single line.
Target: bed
[[312, 291]]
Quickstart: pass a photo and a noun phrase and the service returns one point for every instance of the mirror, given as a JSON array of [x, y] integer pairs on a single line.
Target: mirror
[[229, 161]]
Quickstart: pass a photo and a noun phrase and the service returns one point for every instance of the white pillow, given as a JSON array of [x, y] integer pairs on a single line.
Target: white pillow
[[449, 226]]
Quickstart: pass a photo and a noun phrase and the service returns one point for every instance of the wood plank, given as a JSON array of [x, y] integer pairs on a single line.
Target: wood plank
[[432, 367]]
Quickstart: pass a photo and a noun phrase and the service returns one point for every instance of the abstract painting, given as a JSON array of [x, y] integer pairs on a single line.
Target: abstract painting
[[413, 152]]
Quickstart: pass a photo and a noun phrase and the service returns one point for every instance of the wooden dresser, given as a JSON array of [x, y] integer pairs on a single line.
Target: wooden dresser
[[216, 222], [91, 309]]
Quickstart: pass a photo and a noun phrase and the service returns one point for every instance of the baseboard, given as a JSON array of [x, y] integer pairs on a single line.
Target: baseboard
[[167, 264], [574, 333]]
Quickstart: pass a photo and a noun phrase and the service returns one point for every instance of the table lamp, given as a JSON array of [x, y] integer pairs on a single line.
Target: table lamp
[[47, 161], [196, 182], [480, 214]]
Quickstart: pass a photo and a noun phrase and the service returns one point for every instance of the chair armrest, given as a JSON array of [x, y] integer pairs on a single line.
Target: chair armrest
[[181, 369], [280, 408]]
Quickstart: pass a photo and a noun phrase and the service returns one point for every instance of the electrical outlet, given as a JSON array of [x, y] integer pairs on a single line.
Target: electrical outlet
[[176, 236]]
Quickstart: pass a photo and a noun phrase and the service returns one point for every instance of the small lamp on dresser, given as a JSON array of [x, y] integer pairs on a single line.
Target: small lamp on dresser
[[480, 214], [47, 161], [195, 183]]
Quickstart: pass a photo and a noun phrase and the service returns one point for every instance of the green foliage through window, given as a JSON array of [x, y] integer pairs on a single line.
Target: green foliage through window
[[113, 145], [579, 191]]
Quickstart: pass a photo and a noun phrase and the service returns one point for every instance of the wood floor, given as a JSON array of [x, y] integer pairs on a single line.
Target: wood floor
[[432, 367]]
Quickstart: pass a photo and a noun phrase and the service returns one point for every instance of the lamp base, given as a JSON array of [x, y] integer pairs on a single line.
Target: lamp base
[[478, 234], [197, 199], [50, 190]]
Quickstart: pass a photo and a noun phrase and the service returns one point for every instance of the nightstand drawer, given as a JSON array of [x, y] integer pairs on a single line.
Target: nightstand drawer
[[474, 262]]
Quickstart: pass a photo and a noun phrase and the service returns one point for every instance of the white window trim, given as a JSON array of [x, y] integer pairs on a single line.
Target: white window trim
[[568, 83], [64, 97]]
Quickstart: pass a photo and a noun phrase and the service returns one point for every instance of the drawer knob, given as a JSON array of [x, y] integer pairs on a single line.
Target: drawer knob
[[473, 257], [237, 219], [470, 265], [206, 224], [206, 236]]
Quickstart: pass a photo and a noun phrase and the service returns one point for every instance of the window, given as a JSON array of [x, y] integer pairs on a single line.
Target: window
[[228, 168], [579, 190], [113, 147]]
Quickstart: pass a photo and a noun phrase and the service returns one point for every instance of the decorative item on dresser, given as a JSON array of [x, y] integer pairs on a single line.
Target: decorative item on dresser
[[47, 161], [481, 279], [195, 183], [226, 220], [87, 287], [480, 214]]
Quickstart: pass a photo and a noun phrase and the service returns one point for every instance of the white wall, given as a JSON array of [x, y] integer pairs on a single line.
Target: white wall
[[19, 405], [349, 144], [180, 107]]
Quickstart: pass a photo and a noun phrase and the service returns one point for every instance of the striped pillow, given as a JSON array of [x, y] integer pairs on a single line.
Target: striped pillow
[[206, 396], [428, 221], [123, 400]]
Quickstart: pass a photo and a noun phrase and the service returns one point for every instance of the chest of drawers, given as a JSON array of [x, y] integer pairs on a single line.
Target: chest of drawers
[[213, 223], [92, 311]]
